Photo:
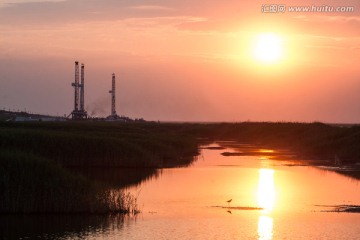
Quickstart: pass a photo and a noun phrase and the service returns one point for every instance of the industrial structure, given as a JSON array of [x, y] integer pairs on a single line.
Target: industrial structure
[[113, 115], [79, 112], [79, 98]]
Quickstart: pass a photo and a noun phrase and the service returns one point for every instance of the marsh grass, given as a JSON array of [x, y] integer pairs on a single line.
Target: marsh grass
[[101, 145], [30, 184], [35, 162], [35, 157]]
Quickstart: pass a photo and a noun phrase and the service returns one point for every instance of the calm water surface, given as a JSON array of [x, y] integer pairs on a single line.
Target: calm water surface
[[190, 203]]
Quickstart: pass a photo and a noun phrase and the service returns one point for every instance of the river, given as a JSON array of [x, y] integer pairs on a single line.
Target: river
[[272, 196]]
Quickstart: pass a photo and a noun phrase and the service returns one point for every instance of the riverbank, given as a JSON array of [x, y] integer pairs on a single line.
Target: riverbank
[[315, 141], [37, 162], [38, 159]]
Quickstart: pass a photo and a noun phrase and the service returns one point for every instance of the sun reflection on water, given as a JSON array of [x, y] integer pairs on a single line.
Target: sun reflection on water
[[266, 189], [266, 200], [266, 151], [265, 228]]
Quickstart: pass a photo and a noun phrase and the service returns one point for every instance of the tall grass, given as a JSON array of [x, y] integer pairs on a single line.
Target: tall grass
[[35, 159], [30, 184], [156, 145], [101, 145]]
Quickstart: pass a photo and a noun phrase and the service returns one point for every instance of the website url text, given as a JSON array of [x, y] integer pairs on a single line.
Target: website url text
[[282, 8]]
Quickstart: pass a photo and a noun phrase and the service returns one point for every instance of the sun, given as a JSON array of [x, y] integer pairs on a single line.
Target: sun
[[268, 48]]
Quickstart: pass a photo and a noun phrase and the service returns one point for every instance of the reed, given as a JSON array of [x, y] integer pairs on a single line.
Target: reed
[[101, 145], [30, 184], [35, 162]]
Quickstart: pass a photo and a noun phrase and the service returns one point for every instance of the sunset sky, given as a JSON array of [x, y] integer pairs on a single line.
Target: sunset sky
[[183, 60]]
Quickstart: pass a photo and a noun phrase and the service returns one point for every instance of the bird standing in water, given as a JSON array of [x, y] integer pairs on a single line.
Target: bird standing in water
[[229, 201]]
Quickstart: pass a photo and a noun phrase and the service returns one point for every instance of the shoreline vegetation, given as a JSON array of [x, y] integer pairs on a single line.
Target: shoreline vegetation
[[37, 160], [340, 208], [38, 164]]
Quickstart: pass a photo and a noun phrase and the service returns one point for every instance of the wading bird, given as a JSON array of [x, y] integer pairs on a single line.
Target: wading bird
[[229, 201]]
